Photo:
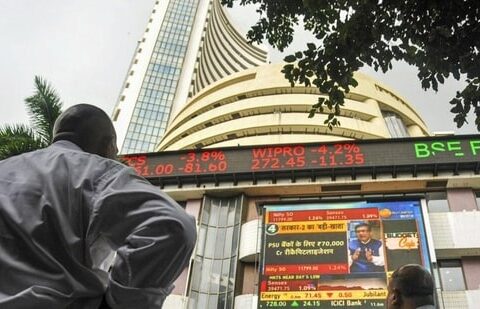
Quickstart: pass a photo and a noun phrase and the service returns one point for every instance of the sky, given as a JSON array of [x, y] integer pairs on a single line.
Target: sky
[[84, 48]]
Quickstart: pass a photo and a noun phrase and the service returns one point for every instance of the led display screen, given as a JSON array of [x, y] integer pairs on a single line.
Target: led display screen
[[315, 156], [337, 255]]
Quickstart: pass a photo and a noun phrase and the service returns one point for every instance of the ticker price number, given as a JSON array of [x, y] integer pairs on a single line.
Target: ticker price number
[[338, 154], [274, 158], [209, 161], [300, 156], [205, 161], [141, 166]]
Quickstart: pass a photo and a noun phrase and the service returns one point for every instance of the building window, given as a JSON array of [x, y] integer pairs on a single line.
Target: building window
[[395, 124], [164, 66], [437, 202], [451, 275], [212, 282]]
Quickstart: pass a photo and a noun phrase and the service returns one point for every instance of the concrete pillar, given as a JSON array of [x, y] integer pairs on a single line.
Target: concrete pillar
[[471, 270]]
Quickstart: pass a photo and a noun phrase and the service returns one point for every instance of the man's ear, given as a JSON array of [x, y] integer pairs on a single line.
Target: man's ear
[[107, 147], [396, 297]]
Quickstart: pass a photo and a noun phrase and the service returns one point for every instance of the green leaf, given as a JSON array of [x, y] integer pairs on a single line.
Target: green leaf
[[290, 58], [425, 84], [440, 78], [44, 107]]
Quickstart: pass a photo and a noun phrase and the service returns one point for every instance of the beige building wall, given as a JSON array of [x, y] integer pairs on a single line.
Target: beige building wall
[[258, 106]]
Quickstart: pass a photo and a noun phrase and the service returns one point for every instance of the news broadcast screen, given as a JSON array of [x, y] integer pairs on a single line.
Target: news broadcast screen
[[337, 255]]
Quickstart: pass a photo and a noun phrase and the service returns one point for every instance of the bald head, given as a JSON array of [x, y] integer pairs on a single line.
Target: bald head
[[410, 286], [88, 127]]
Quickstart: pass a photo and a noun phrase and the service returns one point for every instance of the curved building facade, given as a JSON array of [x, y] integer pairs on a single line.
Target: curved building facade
[[258, 106], [224, 51]]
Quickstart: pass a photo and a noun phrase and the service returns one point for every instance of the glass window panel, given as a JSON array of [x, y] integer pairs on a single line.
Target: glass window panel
[[211, 237], [221, 301], [214, 212], [228, 242], [212, 301], [395, 124], [437, 202], [229, 303], [223, 218], [205, 277], [238, 210], [438, 206], [231, 214], [231, 274], [215, 276], [236, 230], [202, 301], [224, 276], [220, 243], [451, 275], [403, 128]]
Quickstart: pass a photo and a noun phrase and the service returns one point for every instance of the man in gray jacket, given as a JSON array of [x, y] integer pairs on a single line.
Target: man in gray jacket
[[67, 209]]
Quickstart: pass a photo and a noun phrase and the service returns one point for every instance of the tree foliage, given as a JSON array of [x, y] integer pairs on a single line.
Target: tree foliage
[[17, 139], [440, 38], [43, 107]]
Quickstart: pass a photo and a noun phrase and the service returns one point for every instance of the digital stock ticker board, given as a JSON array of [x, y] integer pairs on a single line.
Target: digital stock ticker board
[[312, 156], [337, 255]]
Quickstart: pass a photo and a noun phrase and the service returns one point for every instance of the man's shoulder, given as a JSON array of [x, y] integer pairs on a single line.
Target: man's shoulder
[[66, 156]]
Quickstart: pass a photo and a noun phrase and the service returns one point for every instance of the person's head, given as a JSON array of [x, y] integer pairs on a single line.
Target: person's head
[[89, 128], [363, 231], [410, 286]]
